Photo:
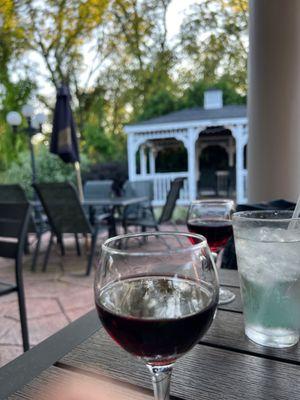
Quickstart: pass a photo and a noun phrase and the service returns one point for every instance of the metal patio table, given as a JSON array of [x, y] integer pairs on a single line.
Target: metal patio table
[[114, 203], [224, 365]]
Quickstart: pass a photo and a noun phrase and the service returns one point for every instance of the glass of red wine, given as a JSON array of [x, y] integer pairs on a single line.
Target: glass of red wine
[[156, 295], [212, 219]]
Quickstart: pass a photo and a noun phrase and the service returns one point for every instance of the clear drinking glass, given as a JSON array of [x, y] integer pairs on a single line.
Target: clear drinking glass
[[212, 219], [156, 295], [268, 255]]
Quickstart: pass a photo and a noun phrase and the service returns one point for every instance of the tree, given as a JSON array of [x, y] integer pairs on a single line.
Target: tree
[[194, 94], [214, 38], [13, 92], [61, 32]]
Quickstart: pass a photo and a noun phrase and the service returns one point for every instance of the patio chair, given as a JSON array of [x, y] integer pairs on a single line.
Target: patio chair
[[66, 215], [97, 190], [14, 193], [141, 210], [150, 221], [14, 219]]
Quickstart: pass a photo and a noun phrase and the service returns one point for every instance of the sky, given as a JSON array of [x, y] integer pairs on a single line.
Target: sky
[[176, 13]]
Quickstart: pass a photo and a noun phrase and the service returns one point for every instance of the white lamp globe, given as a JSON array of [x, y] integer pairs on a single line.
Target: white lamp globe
[[40, 118], [27, 110], [13, 118]]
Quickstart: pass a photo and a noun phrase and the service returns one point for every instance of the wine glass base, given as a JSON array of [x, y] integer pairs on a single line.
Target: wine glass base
[[225, 296]]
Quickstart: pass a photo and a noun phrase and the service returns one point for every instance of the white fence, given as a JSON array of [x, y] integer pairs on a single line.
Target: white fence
[[161, 185]]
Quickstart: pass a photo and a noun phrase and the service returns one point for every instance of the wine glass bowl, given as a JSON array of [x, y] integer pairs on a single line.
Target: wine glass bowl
[[212, 219], [156, 295]]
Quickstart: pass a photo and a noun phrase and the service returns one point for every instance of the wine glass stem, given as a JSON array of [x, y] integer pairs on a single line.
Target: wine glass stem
[[161, 379]]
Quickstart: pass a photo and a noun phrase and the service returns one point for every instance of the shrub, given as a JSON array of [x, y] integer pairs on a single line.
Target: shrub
[[49, 168]]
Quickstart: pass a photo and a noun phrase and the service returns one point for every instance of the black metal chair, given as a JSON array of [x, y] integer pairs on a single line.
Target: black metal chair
[[138, 188], [14, 193], [66, 215], [14, 219], [150, 221]]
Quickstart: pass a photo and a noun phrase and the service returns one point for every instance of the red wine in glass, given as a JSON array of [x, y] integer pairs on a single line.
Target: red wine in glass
[[157, 318], [216, 231]]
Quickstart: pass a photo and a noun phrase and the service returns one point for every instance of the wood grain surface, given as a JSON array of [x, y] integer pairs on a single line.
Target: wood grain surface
[[225, 365], [205, 372]]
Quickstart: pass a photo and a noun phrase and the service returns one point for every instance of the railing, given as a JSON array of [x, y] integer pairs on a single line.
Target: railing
[[161, 185]]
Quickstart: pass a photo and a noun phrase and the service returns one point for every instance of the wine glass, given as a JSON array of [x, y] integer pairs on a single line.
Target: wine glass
[[156, 295], [212, 219]]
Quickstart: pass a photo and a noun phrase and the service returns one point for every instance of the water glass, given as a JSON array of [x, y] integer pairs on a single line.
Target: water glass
[[268, 255]]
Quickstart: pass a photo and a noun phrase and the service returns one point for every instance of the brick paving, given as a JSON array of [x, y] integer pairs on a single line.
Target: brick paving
[[53, 299]]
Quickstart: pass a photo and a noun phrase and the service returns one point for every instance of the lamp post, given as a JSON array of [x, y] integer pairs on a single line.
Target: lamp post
[[34, 125]]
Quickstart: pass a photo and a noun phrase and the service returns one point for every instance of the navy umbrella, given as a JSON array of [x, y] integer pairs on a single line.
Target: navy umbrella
[[64, 139]]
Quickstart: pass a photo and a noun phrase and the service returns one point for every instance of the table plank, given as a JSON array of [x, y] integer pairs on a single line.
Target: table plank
[[24, 368], [215, 373], [236, 305], [227, 331], [229, 277], [60, 378]]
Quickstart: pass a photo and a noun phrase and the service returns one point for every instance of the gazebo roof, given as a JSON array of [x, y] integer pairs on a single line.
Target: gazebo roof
[[197, 114]]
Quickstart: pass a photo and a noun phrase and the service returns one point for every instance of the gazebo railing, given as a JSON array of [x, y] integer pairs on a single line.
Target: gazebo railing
[[161, 185]]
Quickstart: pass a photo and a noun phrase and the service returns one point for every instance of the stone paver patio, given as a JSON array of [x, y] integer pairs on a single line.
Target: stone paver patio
[[53, 299]]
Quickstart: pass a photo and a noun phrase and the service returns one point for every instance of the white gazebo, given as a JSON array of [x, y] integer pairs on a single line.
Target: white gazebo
[[197, 128]]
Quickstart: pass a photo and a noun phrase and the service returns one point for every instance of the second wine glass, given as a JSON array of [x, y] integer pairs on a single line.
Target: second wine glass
[[212, 219]]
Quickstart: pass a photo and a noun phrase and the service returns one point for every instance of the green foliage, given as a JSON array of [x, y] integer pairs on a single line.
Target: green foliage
[[50, 168], [135, 72], [99, 145], [194, 95], [160, 103], [214, 37]]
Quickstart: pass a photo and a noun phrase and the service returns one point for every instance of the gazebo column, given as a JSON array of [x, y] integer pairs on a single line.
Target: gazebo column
[[239, 132], [191, 150], [274, 100], [152, 157], [131, 152], [143, 161]]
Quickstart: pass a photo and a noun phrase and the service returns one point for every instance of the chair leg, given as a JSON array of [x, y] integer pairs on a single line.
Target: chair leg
[[48, 252], [22, 307], [77, 244], [36, 251], [60, 241], [92, 253], [26, 247]]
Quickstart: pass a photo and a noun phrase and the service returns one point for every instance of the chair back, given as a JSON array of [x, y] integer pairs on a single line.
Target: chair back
[[94, 190], [139, 188], [172, 197], [14, 193], [14, 219], [63, 208]]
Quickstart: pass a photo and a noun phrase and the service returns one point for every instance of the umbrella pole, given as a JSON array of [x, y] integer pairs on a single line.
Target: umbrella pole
[[80, 193], [79, 180]]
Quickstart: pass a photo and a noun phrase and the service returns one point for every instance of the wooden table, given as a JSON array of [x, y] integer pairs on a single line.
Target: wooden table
[[224, 365]]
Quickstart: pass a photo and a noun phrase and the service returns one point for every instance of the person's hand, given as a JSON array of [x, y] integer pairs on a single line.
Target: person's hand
[[84, 388], [80, 389]]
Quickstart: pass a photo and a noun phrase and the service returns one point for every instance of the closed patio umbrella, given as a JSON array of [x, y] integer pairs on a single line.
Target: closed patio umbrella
[[63, 139]]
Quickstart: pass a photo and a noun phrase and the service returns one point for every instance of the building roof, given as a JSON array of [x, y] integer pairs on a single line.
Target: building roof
[[197, 114]]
